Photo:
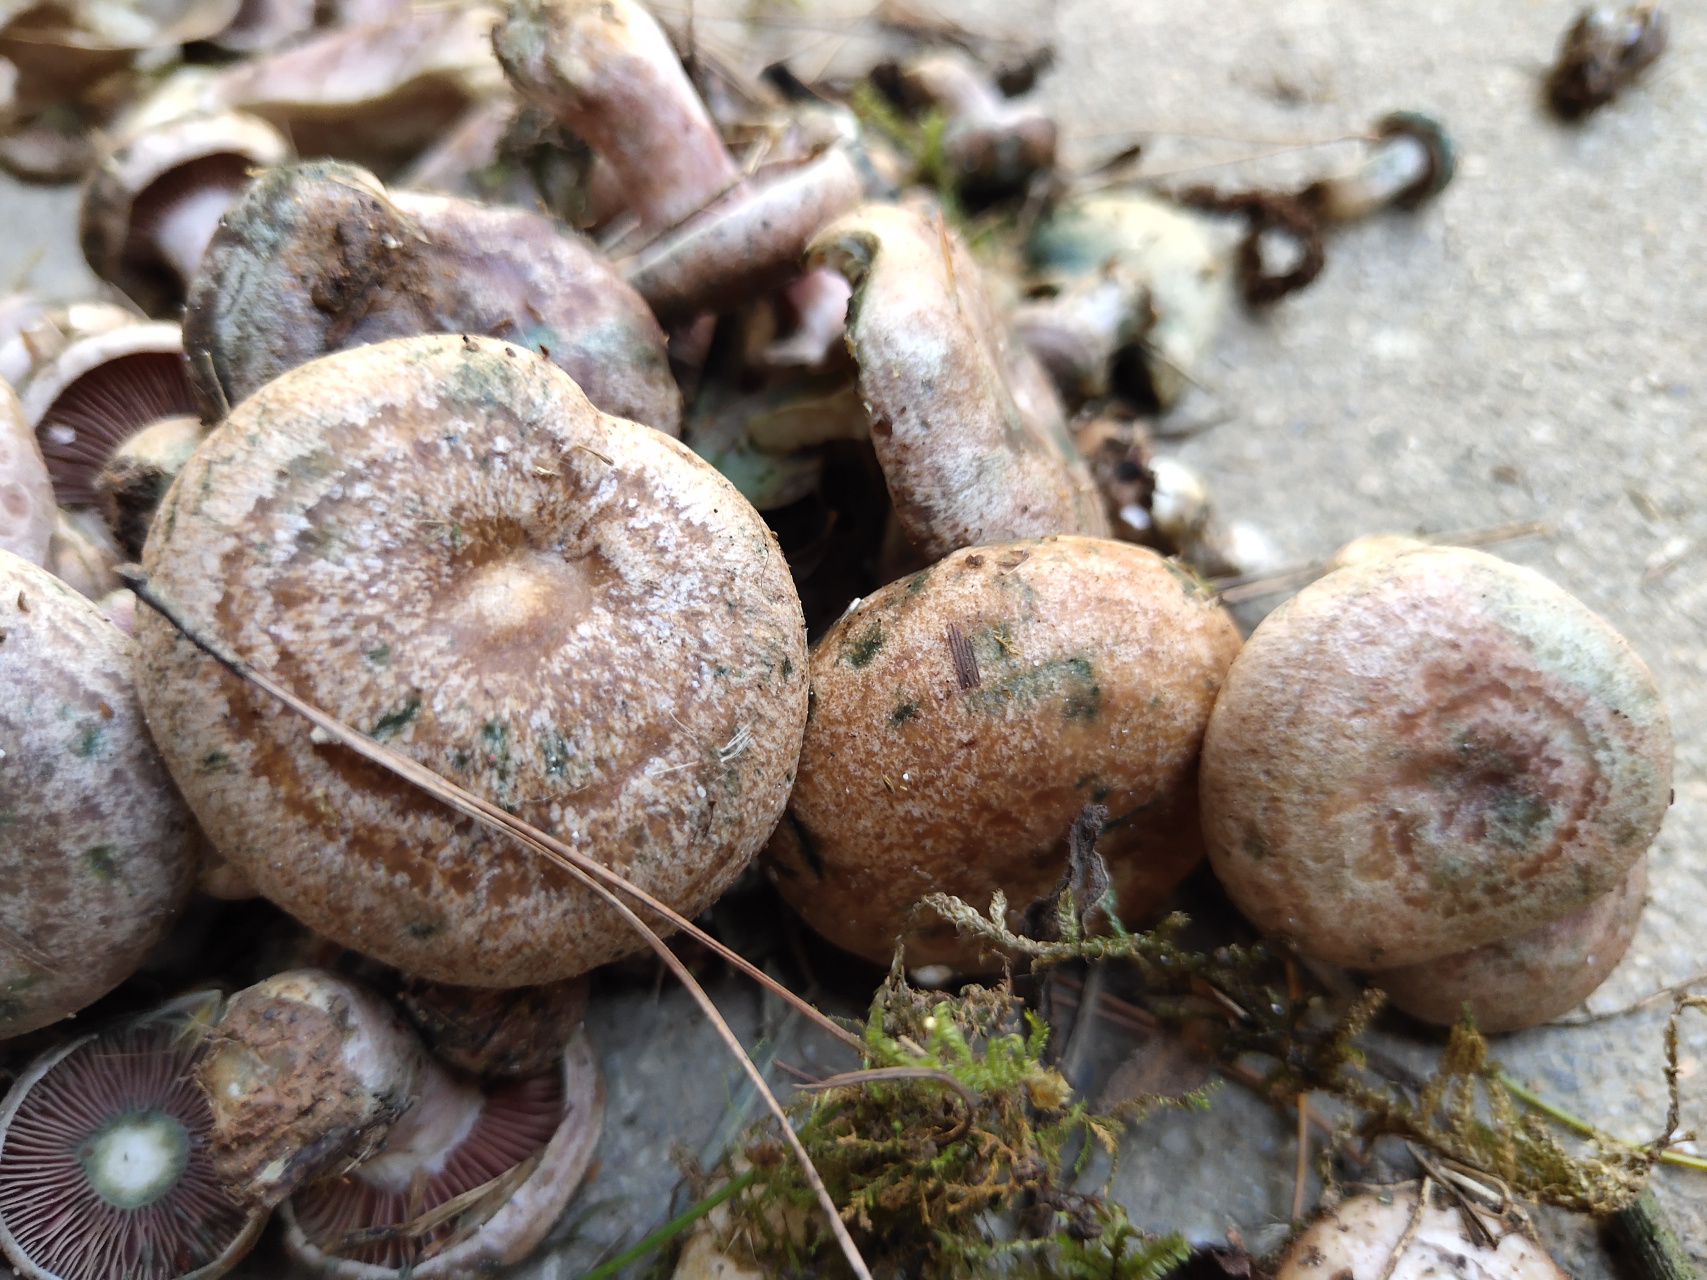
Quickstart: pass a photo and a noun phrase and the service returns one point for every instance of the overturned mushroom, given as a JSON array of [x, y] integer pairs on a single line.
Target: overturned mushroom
[[320, 257], [98, 858], [319, 1092], [151, 207], [971, 437], [440, 541], [104, 1161], [26, 494], [96, 394], [1167, 250], [964, 716]]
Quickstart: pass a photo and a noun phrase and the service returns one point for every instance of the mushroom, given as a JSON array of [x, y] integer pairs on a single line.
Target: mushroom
[[98, 861], [1089, 331], [97, 393], [308, 1073], [1172, 253], [374, 94], [32, 333], [764, 441], [82, 554], [104, 1165], [971, 437], [962, 718], [414, 1169], [137, 475], [1425, 752], [519, 1032], [1528, 978], [151, 207], [606, 70], [320, 257], [1388, 1235], [992, 145], [748, 241], [26, 495], [441, 542]]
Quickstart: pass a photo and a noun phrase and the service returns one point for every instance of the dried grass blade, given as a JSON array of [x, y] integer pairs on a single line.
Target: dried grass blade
[[590, 875]]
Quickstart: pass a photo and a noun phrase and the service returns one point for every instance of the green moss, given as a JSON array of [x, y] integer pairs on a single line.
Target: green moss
[[904, 711]]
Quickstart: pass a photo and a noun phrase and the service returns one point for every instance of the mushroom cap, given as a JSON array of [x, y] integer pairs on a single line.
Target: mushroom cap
[[963, 717], [27, 508], [326, 1210], [1529, 978], [126, 1094], [98, 857], [441, 542], [375, 93], [320, 257], [148, 170], [1356, 1240], [96, 393], [971, 437], [136, 477], [1426, 752]]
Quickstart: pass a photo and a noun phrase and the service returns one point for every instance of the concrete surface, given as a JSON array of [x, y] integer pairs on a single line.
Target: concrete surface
[[1532, 346]]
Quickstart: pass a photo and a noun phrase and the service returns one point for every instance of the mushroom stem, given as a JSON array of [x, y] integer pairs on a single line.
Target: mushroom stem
[[310, 1074], [1391, 166], [186, 226], [607, 71], [1411, 161], [424, 1136]]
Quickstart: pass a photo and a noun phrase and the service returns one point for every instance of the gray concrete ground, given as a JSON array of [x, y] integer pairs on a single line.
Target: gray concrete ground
[[1532, 346]]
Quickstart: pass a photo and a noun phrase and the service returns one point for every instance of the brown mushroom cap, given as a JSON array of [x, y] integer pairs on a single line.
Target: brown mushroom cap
[[970, 435], [26, 495], [1528, 979], [1356, 1240], [442, 543], [319, 257], [205, 159], [963, 717], [1425, 752], [98, 858], [518, 1032]]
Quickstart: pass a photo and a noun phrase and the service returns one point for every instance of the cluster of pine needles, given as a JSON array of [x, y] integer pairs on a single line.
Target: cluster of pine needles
[[957, 1149]]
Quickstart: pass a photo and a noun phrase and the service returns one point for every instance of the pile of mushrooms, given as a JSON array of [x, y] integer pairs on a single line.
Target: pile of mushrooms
[[524, 399]]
